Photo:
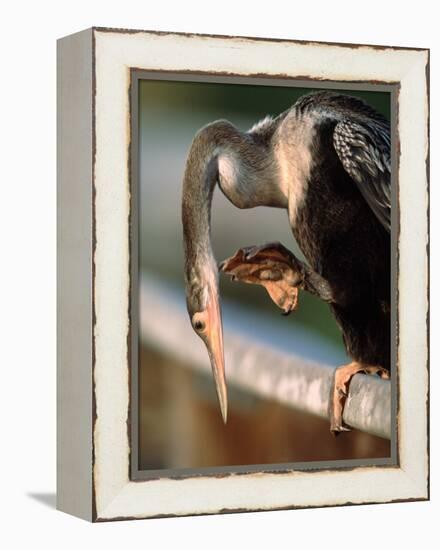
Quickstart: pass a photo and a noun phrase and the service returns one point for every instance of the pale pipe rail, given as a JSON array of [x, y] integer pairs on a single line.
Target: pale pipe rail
[[258, 367]]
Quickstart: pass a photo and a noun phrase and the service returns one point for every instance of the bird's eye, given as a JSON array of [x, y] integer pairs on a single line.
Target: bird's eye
[[198, 323], [199, 326]]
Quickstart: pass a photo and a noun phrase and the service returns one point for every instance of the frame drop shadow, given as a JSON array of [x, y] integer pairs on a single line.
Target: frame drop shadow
[[48, 499]]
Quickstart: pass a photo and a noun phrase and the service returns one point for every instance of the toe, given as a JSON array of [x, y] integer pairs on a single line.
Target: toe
[[338, 429]]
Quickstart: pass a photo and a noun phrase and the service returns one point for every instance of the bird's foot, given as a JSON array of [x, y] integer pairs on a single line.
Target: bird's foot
[[341, 383], [271, 266]]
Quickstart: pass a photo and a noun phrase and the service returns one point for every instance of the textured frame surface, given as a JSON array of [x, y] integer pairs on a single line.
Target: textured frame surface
[[115, 54]]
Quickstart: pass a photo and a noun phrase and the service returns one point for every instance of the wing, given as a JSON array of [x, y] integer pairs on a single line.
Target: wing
[[363, 148]]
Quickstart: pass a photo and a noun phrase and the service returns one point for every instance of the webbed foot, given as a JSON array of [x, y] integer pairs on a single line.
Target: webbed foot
[[271, 266], [341, 383]]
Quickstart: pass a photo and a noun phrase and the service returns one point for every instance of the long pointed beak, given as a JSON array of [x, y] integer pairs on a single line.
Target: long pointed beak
[[214, 344]]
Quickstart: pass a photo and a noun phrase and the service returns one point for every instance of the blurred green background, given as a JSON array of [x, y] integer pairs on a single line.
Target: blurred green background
[[170, 113]]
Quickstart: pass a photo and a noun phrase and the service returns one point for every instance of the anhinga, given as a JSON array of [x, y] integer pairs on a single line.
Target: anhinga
[[326, 160]]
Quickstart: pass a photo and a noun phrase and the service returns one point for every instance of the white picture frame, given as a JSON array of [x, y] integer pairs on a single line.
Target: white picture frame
[[94, 274]]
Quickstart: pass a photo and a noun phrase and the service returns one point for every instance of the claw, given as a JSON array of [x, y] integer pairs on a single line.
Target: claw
[[338, 429], [384, 374]]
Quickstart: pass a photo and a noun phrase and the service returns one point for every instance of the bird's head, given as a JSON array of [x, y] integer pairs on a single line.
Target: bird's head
[[203, 304]]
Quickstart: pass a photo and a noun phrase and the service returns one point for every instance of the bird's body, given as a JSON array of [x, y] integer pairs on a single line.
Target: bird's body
[[343, 241], [327, 162]]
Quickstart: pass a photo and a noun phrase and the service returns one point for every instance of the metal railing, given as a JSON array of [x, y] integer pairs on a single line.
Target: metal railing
[[255, 365]]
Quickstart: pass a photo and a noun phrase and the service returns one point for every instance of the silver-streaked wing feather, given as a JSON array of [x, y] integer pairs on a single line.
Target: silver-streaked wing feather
[[363, 148]]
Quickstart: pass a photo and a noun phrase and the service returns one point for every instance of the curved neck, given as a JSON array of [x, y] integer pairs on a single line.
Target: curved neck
[[245, 170], [201, 175]]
